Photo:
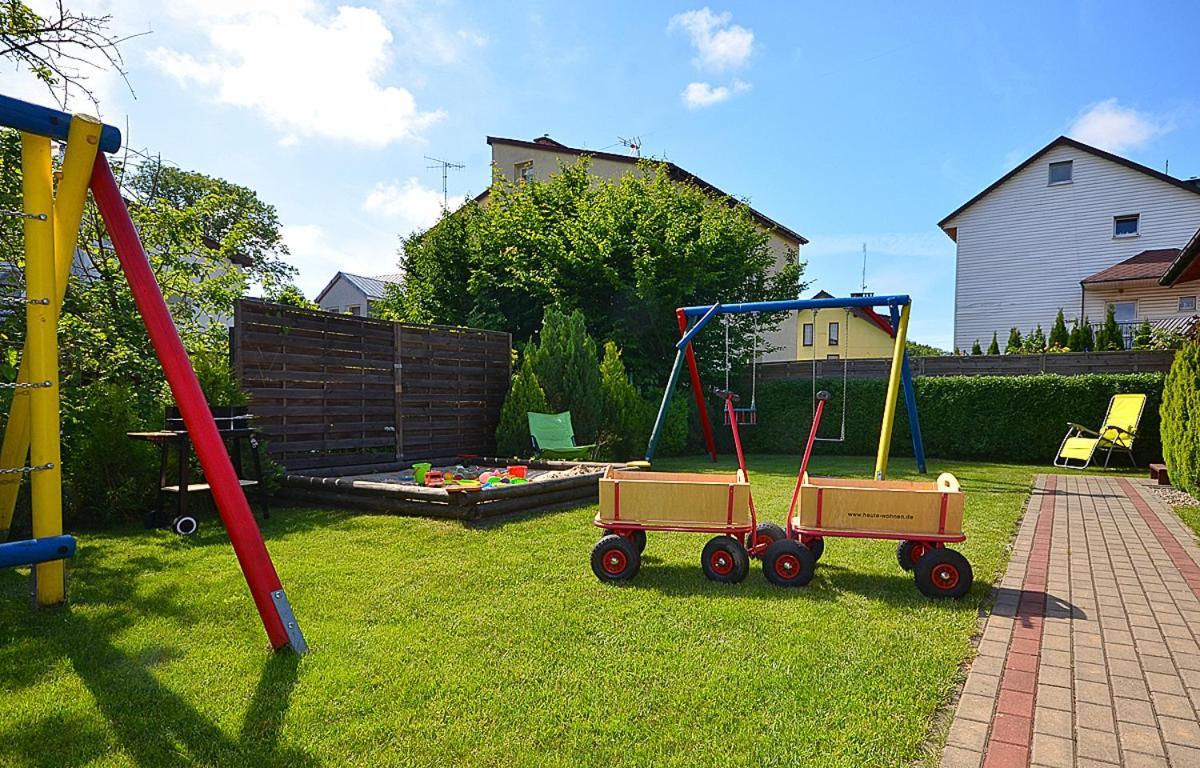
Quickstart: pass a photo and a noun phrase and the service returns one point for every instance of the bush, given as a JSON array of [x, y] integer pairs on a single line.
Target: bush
[[564, 359], [626, 417], [525, 395], [993, 348], [1014, 344], [991, 418], [1180, 415], [676, 430], [1058, 333]]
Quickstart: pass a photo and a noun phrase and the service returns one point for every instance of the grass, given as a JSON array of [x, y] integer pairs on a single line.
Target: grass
[[1190, 515], [436, 644]]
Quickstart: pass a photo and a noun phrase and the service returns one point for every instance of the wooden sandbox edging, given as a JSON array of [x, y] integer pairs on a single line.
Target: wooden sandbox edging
[[350, 491]]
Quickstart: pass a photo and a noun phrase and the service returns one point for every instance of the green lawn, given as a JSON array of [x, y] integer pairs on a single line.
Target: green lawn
[[439, 645]]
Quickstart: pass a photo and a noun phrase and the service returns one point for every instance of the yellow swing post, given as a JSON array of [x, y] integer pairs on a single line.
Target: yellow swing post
[[83, 139], [893, 392]]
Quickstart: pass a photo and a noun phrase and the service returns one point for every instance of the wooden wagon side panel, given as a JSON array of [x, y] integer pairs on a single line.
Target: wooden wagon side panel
[[892, 512], [675, 504]]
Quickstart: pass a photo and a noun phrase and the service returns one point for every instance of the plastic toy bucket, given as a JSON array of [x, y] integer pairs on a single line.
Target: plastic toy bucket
[[517, 470], [419, 471]]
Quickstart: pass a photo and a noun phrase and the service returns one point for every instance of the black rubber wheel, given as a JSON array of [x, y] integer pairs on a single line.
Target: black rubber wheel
[[788, 563], [817, 547], [725, 560], [943, 573], [185, 525], [637, 537], [615, 558], [909, 552], [770, 532]]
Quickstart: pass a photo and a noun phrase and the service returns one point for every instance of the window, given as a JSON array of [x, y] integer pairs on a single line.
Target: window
[[1125, 226], [524, 171], [833, 357], [1187, 304], [1060, 173], [833, 334], [808, 334], [1124, 311], [354, 309]]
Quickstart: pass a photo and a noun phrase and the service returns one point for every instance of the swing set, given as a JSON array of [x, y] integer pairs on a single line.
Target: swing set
[[51, 215]]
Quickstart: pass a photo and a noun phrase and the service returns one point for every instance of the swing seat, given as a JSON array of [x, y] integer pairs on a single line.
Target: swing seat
[[744, 416]]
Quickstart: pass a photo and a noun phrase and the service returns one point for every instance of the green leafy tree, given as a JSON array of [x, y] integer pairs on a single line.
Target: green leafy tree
[[1180, 413], [994, 347], [1086, 336], [976, 349], [624, 422], [1110, 337], [1143, 338], [1059, 337], [288, 294], [623, 252], [917, 349], [524, 396], [1014, 345], [567, 367], [1035, 343]]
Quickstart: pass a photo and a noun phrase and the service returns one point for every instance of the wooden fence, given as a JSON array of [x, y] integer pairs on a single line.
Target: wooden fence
[[1066, 363], [333, 390]]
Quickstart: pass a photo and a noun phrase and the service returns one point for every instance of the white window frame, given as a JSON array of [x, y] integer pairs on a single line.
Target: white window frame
[[807, 333], [1113, 304], [1179, 305], [834, 334], [1137, 218], [523, 171], [833, 356], [354, 309], [1050, 182]]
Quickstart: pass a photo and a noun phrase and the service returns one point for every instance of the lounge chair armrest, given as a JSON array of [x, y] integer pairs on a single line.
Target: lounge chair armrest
[[1081, 428]]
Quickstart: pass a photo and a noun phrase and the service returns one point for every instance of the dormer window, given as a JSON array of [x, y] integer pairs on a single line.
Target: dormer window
[[524, 171], [1060, 172], [1125, 226]]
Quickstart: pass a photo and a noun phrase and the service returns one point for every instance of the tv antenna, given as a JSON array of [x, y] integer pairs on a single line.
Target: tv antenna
[[864, 269], [633, 144], [445, 165]]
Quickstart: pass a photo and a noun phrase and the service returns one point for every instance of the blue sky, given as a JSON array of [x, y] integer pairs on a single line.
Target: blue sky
[[850, 123]]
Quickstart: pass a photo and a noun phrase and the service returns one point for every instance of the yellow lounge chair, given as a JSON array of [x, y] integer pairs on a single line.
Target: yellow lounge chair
[[1117, 433]]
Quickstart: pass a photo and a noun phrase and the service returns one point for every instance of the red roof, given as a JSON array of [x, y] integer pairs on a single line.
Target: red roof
[[1147, 265]]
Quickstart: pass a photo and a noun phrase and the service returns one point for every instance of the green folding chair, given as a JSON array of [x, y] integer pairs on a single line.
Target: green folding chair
[[554, 437]]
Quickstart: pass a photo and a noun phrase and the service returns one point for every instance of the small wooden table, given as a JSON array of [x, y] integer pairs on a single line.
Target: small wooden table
[[166, 439]]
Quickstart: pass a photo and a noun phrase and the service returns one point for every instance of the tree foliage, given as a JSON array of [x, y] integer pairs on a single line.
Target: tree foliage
[[994, 347], [625, 418], [625, 253], [524, 396], [1180, 415], [1110, 337], [976, 349], [1058, 332], [564, 358], [917, 349]]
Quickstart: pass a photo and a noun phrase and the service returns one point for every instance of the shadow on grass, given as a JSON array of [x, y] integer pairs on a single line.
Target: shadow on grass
[[149, 723]]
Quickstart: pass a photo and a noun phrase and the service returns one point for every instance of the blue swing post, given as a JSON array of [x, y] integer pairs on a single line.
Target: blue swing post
[[707, 312]]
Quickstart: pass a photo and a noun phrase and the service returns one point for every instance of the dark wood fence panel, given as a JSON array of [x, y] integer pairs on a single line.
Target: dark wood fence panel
[[1066, 364], [336, 390]]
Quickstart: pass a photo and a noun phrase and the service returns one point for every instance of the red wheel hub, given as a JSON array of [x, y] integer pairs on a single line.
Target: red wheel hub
[[721, 562], [615, 561], [917, 551], [945, 576], [787, 566]]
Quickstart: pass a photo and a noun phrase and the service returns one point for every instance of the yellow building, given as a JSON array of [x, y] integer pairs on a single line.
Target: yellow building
[[837, 334]]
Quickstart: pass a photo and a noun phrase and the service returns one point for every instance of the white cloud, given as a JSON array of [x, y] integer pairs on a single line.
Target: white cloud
[[409, 203], [1110, 126], [318, 257], [700, 95], [307, 72], [719, 44]]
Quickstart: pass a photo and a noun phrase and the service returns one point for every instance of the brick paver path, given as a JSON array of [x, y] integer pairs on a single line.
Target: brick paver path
[[1090, 657]]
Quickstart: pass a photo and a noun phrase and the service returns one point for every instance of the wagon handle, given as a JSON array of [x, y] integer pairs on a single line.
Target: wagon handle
[[822, 398]]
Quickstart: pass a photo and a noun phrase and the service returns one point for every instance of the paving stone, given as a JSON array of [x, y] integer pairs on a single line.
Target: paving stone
[[1099, 745], [968, 734], [1172, 705], [1177, 731], [1054, 751], [1140, 738], [1134, 711], [1053, 721]]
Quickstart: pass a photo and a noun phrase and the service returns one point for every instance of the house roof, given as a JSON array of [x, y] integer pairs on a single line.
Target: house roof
[[1147, 265], [867, 313], [545, 143], [371, 287], [1190, 185], [1186, 265]]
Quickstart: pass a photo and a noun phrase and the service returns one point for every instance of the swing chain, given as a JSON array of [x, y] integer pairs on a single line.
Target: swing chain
[[26, 470], [24, 215], [25, 384]]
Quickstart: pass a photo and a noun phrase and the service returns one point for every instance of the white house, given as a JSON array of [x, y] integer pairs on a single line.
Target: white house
[[1051, 233], [354, 294]]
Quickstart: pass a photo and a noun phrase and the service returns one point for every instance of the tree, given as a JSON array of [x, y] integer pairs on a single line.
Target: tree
[[564, 358], [1014, 344], [1180, 412], [994, 347], [1143, 338], [524, 396], [1035, 343], [1058, 334], [60, 47], [1110, 337], [976, 349], [1087, 339], [289, 294], [623, 252], [917, 349], [624, 419]]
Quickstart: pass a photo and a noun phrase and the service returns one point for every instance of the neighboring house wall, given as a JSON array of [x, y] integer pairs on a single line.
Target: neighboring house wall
[[1024, 247], [1154, 301], [858, 337], [510, 161], [342, 295]]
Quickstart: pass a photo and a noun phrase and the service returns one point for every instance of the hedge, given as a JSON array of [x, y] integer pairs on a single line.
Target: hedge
[[992, 418], [1181, 419]]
